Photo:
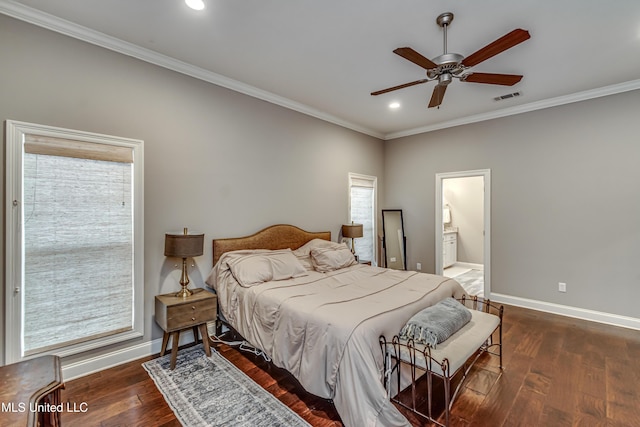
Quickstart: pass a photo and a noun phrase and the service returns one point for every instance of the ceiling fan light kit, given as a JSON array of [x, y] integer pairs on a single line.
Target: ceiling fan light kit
[[444, 68]]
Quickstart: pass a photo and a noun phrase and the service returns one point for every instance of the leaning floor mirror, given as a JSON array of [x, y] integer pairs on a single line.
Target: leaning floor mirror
[[394, 239]]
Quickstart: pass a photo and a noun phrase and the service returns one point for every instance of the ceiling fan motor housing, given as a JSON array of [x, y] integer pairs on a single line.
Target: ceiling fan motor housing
[[447, 63]]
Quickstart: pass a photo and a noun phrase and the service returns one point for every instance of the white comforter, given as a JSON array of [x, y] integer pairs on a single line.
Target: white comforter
[[324, 328]]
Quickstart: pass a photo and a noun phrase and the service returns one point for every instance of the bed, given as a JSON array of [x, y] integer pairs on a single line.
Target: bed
[[316, 312]]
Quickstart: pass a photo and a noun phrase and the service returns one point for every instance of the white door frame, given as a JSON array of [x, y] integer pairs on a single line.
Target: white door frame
[[486, 174]]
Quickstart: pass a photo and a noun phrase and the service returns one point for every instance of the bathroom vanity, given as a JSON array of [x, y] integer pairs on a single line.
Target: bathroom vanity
[[449, 248]]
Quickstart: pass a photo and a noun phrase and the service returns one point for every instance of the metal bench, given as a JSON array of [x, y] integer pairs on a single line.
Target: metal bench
[[457, 354]]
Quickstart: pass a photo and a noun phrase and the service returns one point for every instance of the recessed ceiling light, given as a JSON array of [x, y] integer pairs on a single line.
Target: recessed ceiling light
[[195, 4], [394, 105]]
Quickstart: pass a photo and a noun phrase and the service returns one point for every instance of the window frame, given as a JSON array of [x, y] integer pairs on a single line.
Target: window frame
[[15, 132], [352, 176]]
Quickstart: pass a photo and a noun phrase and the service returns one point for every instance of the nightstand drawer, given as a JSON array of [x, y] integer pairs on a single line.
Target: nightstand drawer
[[175, 313], [190, 314]]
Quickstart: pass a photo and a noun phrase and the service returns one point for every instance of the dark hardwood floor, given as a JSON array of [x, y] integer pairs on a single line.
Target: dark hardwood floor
[[558, 371]]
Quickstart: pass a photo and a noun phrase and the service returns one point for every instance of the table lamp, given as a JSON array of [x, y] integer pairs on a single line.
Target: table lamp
[[352, 231], [183, 246]]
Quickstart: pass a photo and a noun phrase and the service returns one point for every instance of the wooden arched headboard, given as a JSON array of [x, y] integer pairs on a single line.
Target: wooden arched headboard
[[281, 236]]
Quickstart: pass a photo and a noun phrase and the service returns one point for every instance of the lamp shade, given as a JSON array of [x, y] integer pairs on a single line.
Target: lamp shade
[[183, 245], [352, 230]]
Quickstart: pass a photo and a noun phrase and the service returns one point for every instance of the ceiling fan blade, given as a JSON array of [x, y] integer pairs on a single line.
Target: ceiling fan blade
[[437, 96], [417, 82], [503, 43], [493, 79], [413, 56]]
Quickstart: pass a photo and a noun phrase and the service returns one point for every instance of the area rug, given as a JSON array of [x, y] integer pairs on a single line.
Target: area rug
[[211, 391], [472, 281]]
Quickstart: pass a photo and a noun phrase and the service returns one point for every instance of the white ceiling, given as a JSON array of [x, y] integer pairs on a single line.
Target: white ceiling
[[324, 58]]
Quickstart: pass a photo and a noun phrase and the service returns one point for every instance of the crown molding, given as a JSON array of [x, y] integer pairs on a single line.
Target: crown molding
[[53, 23], [519, 109]]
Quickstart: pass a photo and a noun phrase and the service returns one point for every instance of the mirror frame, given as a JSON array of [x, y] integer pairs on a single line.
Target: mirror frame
[[403, 244]]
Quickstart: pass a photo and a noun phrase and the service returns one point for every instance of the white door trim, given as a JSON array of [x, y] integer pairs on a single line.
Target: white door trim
[[486, 174]]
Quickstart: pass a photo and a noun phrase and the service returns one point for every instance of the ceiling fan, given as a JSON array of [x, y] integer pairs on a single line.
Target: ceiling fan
[[447, 66]]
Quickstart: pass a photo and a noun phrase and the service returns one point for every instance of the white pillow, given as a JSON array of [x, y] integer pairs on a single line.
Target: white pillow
[[330, 259], [265, 266]]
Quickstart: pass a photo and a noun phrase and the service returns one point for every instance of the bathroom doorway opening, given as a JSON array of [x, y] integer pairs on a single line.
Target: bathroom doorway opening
[[462, 229]]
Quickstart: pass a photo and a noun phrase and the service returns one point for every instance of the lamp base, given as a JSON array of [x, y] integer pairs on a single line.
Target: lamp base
[[184, 292], [353, 249], [184, 281]]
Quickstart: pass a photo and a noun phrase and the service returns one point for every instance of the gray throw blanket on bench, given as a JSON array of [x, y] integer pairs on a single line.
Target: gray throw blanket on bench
[[435, 324]]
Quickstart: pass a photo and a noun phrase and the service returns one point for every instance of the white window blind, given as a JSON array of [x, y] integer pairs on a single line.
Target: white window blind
[[362, 197], [77, 280]]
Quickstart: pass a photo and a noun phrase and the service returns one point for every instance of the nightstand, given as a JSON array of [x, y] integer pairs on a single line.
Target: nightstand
[[175, 314]]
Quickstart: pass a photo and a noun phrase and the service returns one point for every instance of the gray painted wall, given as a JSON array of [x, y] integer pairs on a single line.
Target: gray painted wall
[[565, 199], [215, 161]]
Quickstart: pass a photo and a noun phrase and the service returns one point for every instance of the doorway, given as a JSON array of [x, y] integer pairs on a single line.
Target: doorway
[[463, 238]]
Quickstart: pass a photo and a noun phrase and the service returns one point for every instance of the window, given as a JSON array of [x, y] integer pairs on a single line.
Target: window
[[362, 209], [74, 240]]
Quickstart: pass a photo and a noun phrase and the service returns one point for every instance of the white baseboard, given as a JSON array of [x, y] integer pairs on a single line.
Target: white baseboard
[[469, 265], [109, 360], [564, 310]]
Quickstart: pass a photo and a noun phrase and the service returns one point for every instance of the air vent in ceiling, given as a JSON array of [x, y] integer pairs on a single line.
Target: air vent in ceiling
[[507, 96]]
